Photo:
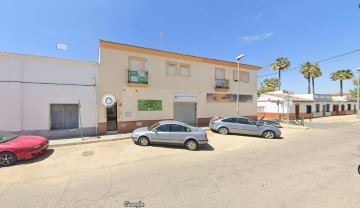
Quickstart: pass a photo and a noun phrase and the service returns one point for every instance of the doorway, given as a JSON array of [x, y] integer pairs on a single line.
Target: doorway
[[111, 116], [297, 110]]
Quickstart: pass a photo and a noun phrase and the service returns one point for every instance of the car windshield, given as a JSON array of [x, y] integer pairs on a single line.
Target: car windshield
[[6, 136], [150, 128]]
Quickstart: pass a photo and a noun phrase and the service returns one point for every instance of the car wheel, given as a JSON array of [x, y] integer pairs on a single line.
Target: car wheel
[[191, 145], [143, 141], [268, 134], [7, 159], [223, 130]]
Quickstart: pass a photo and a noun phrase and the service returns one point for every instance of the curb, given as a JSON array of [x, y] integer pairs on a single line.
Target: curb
[[85, 142]]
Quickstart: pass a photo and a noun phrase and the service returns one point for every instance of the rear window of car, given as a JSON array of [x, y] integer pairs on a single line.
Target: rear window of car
[[6, 136]]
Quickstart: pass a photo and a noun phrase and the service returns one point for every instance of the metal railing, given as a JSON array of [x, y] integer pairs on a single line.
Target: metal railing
[[137, 77], [222, 83]]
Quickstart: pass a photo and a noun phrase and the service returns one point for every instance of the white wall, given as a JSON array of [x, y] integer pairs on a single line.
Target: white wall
[[29, 84]]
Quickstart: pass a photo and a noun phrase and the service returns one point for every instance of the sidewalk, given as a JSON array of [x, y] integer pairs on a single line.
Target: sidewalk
[[88, 140]]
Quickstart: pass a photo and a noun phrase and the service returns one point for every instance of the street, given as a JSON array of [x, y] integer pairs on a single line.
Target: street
[[305, 168]]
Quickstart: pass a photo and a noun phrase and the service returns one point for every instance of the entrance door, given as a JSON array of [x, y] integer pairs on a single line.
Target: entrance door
[[324, 110], [111, 114], [297, 110], [185, 112]]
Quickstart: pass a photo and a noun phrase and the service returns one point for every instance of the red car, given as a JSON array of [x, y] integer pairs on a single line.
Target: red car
[[14, 147]]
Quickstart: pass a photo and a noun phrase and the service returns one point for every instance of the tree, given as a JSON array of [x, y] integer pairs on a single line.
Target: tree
[[341, 75], [305, 70], [280, 63], [310, 71], [268, 85], [315, 74], [354, 92]]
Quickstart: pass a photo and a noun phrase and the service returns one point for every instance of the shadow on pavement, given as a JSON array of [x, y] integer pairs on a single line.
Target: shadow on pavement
[[206, 147], [40, 158]]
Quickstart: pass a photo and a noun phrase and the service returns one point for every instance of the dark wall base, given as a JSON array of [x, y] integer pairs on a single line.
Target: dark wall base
[[60, 134]]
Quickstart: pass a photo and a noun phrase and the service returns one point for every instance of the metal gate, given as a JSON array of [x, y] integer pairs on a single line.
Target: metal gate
[[185, 112], [111, 114]]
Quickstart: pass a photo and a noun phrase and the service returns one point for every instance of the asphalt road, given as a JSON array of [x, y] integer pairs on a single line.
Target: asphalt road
[[306, 168]]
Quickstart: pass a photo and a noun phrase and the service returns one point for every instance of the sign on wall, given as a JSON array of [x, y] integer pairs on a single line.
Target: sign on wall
[[227, 98], [137, 76], [185, 97], [149, 105]]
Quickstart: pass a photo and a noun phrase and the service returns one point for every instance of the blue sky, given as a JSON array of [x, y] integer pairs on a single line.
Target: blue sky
[[263, 30]]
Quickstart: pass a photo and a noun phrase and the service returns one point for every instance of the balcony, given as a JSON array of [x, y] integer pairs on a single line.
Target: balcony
[[137, 78], [222, 84]]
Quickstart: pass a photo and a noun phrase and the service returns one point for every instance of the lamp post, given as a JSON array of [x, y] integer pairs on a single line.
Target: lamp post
[[238, 82], [358, 94]]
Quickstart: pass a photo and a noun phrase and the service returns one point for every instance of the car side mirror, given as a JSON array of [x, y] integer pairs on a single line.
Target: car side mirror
[[154, 130]]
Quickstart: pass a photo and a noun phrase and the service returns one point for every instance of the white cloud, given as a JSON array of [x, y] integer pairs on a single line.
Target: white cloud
[[259, 37]]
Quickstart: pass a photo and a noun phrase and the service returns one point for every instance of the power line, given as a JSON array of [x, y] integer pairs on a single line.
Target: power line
[[321, 61]]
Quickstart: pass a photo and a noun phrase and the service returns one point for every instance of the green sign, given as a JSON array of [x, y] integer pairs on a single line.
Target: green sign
[[137, 77], [149, 105]]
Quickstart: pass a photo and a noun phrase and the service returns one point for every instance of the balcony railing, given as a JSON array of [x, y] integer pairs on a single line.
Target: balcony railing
[[137, 77], [221, 84]]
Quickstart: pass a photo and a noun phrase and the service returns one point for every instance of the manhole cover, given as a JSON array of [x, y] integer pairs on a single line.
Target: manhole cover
[[87, 153]]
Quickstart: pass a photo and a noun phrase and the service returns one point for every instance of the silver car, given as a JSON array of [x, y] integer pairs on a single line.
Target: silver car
[[170, 132], [242, 125]]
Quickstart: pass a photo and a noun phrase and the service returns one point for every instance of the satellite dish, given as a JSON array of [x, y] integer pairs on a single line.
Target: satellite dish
[[108, 100]]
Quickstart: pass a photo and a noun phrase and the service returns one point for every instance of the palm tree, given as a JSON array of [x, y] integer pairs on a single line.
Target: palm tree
[[268, 85], [306, 69], [341, 75], [315, 74], [280, 63], [310, 71]]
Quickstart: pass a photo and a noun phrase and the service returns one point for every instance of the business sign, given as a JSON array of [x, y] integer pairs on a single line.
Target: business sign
[[149, 105], [137, 76], [108, 100], [190, 97]]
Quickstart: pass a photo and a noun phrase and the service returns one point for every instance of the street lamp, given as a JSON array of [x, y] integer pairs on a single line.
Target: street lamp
[[238, 81], [358, 94]]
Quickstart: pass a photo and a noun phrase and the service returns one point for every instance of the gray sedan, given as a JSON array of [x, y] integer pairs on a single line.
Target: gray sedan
[[242, 125], [170, 132]]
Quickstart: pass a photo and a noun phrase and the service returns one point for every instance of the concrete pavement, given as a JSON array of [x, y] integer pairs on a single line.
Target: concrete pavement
[[312, 168]]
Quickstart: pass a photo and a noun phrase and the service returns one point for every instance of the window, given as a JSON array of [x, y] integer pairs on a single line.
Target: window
[[64, 116], [308, 109], [317, 108], [171, 69], [184, 70], [163, 128], [219, 74], [349, 106], [235, 75], [229, 120], [245, 77], [136, 64], [177, 128], [327, 107], [342, 107]]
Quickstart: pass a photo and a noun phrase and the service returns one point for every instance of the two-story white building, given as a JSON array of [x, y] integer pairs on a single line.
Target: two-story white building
[[151, 85]]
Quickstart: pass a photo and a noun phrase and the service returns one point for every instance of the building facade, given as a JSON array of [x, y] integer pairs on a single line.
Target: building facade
[[151, 85], [41, 95], [304, 105]]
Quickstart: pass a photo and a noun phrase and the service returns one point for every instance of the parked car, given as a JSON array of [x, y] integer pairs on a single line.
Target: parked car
[[170, 132], [14, 147], [242, 125]]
